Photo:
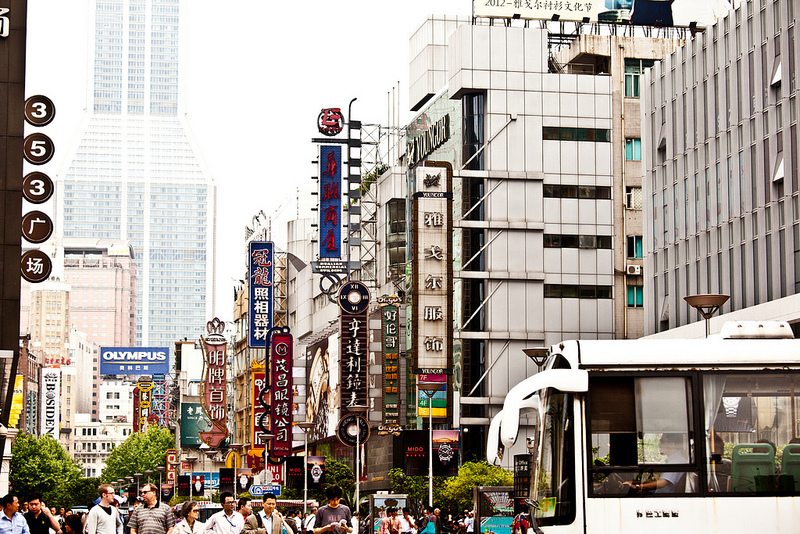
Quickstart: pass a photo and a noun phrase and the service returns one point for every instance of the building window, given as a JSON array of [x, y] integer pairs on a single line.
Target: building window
[[563, 133], [635, 246], [633, 198], [575, 191], [472, 136], [576, 292], [634, 68], [633, 149], [577, 241], [635, 296]]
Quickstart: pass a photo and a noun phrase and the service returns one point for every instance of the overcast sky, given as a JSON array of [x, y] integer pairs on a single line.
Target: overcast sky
[[258, 74]]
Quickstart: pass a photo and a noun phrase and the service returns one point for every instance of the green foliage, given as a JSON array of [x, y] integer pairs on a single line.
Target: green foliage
[[456, 494], [41, 464], [80, 492], [416, 487], [336, 473], [140, 452]]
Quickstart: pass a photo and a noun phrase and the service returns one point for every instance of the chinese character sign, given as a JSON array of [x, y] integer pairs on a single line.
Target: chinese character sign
[[432, 279], [145, 389], [575, 10], [160, 404], [390, 340], [330, 201], [215, 383], [260, 413], [261, 275], [354, 352], [282, 396]]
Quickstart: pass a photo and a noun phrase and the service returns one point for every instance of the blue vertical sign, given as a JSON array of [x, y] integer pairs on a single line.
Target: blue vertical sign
[[330, 201], [260, 275]]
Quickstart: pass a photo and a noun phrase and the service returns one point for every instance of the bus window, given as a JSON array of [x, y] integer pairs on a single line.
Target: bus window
[[750, 435], [638, 426]]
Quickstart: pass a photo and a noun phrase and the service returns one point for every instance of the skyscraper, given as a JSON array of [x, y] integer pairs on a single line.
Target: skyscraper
[[135, 174]]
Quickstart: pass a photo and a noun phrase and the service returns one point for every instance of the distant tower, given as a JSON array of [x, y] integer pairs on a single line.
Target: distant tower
[[135, 174]]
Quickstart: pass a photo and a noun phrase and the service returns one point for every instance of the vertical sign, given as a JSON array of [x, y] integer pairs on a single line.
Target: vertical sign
[[215, 384], [432, 340], [281, 385], [354, 302], [260, 414], [330, 201], [51, 394], [172, 466], [135, 409], [145, 388], [390, 343], [260, 261]]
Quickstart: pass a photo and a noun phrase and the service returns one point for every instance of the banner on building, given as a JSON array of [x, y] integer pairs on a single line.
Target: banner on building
[[50, 396], [439, 399], [193, 421], [214, 390], [318, 396], [281, 393], [538, 10], [432, 317], [261, 276], [172, 466], [134, 360], [330, 201], [16, 402], [390, 345]]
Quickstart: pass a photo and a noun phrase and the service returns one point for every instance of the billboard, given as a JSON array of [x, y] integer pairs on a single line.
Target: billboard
[[415, 447], [215, 383], [50, 396], [390, 345], [261, 275], [281, 393], [134, 360]]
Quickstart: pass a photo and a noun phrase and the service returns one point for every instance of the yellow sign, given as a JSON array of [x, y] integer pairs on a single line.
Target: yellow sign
[[16, 403]]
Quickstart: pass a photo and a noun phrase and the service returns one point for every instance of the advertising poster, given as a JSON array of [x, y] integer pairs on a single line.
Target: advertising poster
[[415, 447], [51, 395], [193, 421], [134, 360]]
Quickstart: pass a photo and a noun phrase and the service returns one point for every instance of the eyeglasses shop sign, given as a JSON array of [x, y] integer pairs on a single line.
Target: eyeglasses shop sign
[[134, 361]]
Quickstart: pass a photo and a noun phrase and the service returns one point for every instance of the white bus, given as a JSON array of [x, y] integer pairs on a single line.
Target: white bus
[[664, 436]]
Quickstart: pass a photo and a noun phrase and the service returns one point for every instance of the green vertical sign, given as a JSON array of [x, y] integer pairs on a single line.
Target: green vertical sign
[[193, 421]]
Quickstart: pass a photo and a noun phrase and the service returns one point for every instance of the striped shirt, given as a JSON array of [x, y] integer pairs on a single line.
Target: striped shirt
[[156, 520]]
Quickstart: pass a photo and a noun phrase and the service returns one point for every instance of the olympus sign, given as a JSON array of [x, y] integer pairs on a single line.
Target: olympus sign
[[134, 360]]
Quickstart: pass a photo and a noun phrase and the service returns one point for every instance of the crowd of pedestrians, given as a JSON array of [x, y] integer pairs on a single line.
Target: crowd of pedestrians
[[149, 516]]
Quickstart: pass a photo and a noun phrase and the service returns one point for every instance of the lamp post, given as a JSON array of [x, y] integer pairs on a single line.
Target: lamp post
[[138, 476], [358, 410], [430, 390], [707, 305], [160, 470], [305, 426], [538, 355], [148, 473]]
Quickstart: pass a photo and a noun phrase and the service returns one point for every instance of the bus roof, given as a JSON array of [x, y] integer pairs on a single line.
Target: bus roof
[[714, 351]]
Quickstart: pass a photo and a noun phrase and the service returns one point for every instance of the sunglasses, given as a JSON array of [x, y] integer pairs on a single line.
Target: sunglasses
[[144, 491]]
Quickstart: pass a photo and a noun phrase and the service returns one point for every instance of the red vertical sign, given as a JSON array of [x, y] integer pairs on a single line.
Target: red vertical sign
[[215, 383], [281, 384]]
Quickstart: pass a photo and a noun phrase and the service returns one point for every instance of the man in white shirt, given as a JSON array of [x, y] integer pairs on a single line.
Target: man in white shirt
[[226, 521], [104, 518]]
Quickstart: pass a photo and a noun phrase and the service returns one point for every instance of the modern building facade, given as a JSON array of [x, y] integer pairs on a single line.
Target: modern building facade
[[721, 180], [135, 176]]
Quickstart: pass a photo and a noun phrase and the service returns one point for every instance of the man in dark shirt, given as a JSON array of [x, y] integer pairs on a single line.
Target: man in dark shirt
[[38, 516]]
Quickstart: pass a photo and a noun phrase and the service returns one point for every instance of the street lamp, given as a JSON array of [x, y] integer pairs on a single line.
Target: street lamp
[[305, 426], [138, 476], [538, 355], [430, 390], [148, 473], [707, 305], [160, 470]]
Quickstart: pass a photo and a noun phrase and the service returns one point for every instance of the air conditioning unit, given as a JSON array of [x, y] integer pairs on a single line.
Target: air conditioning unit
[[634, 270]]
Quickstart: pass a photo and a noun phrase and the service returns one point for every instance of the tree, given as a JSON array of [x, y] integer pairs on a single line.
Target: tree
[[142, 451], [416, 487], [41, 464], [456, 493], [80, 492]]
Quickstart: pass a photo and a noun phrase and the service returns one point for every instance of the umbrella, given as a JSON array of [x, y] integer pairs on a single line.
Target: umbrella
[[119, 499]]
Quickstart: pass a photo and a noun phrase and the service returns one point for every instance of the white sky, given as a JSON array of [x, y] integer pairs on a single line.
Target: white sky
[[258, 74]]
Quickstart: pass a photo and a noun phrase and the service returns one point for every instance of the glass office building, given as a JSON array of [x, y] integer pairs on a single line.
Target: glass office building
[[135, 173]]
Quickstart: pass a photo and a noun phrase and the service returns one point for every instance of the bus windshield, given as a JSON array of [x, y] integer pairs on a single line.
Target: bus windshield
[[554, 483]]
